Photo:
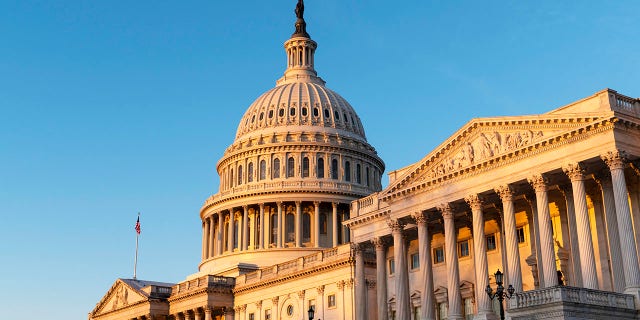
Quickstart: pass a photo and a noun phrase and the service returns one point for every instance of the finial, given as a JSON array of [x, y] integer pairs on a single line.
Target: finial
[[301, 25]]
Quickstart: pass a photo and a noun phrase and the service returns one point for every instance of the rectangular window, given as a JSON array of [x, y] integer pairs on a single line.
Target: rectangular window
[[393, 315], [463, 249], [520, 234], [331, 301], [438, 255], [392, 266], [468, 309], [415, 261], [491, 242], [267, 314], [252, 316], [416, 313], [442, 310]]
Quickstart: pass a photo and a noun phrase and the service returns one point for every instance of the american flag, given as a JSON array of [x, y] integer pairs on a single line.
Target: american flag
[[138, 225]]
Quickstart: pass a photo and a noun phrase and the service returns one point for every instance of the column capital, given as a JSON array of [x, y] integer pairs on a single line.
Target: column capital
[[320, 289], [259, 304], [357, 247], [615, 159], [505, 192], [575, 171], [474, 201], [395, 225], [274, 300], [539, 182], [316, 203], [261, 205], [334, 204], [340, 284], [279, 204], [301, 294], [207, 309], [379, 242], [245, 207], [419, 217], [446, 210], [298, 203]]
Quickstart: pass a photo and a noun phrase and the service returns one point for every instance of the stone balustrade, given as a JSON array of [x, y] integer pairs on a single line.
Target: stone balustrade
[[564, 294], [207, 281]]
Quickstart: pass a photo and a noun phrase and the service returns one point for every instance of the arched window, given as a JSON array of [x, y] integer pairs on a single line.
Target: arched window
[[366, 171], [236, 233], [274, 229], [263, 169], [320, 169], [323, 223], [305, 167], [334, 169], [239, 175], [250, 172], [347, 171], [358, 174], [276, 168], [290, 228], [290, 167], [306, 227]]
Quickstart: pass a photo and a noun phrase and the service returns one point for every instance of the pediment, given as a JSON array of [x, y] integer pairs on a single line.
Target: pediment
[[119, 296], [488, 139]]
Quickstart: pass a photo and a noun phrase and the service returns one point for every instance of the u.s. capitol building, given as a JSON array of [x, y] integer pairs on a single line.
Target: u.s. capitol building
[[301, 222]]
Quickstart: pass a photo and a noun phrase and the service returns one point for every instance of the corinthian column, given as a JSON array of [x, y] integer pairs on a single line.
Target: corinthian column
[[245, 229], [511, 234], [381, 277], [453, 274], [279, 228], [403, 310], [361, 284], [427, 301], [548, 259], [316, 224], [573, 236], [263, 228], [604, 180], [231, 232], [480, 261], [212, 234], [219, 240], [334, 223], [298, 224], [205, 239], [585, 244], [616, 162]]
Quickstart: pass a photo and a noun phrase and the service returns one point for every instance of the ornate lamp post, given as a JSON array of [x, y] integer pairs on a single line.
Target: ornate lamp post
[[311, 312], [500, 293]]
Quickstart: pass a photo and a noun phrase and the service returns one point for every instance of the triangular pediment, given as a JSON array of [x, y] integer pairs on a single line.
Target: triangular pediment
[[119, 296], [488, 140]]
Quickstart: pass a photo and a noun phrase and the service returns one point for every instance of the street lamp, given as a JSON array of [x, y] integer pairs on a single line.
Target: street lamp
[[310, 312], [500, 293]]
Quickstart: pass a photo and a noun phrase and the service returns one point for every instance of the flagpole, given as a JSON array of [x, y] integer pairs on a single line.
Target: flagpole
[[135, 262]]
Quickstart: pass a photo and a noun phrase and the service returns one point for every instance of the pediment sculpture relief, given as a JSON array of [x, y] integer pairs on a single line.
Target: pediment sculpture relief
[[121, 299], [486, 145]]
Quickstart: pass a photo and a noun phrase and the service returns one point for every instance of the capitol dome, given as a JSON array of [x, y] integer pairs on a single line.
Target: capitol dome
[[300, 156]]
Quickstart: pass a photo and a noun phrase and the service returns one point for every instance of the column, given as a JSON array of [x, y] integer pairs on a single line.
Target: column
[[548, 262], [211, 239], [361, 283], [259, 309], [334, 223], [274, 310], [604, 180], [320, 302], [534, 235], [427, 299], [207, 313], [263, 228], [480, 255], [451, 254], [381, 277], [575, 251], [229, 314], [197, 315], [205, 239], [267, 228], [279, 227], [403, 303], [245, 229], [188, 315], [298, 226], [583, 227], [511, 234], [616, 163], [316, 224], [231, 231], [220, 233]]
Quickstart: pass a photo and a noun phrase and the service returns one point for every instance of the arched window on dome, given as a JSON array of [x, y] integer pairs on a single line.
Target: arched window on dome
[[290, 231], [250, 172], [276, 168], [306, 227], [320, 169], [334, 169], [366, 172], [336, 115], [239, 175], [263, 170], [326, 113], [358, 174], [236, 233], [347, 171], [305, 167], [291, 167], [273, 235], [323, 223]]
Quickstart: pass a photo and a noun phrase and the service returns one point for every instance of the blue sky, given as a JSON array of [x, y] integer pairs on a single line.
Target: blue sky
[[108, 108]]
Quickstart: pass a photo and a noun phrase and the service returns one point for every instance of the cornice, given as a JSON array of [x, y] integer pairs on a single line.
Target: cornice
[[368, 218]]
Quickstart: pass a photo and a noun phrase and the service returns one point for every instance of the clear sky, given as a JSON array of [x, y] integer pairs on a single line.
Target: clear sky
[[108, 108]]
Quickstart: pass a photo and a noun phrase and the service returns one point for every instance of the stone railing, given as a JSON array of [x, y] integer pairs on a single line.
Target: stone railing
[[293, 266], [157, 291], [366, 205], [207, 281], [564, 294], [287, 185], [625, 104]]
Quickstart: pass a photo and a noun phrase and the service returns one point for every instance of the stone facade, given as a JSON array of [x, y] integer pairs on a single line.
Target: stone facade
[[300, 220]]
